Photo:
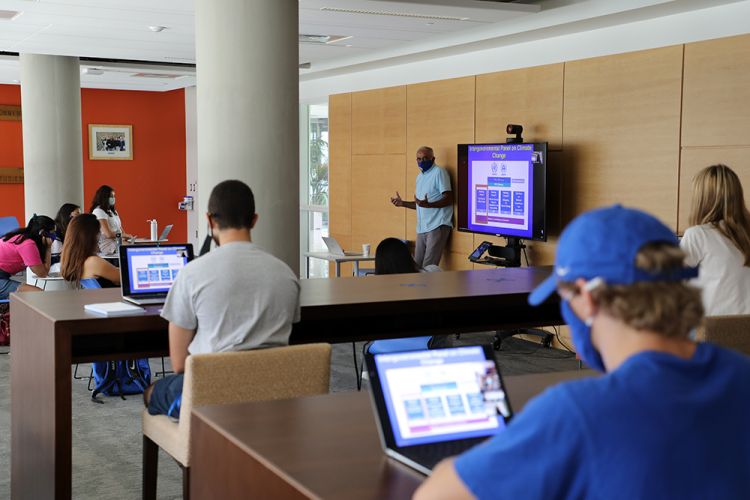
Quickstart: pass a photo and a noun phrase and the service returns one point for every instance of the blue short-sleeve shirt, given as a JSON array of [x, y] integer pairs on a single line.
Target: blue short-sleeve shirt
[[433, 184], [657, 427]]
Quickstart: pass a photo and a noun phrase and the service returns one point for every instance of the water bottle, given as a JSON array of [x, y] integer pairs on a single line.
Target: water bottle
[[154, 230]]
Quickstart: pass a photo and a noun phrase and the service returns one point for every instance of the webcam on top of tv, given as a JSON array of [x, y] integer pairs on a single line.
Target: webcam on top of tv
[[512, 128]]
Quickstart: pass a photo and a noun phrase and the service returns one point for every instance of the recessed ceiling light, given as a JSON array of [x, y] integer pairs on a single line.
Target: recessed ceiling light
[[305, 65], [93, 71], [157, 29], [10, 15], [16, 81]]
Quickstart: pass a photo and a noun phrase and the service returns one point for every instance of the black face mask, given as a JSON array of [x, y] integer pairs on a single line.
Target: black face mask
[[206, 247]]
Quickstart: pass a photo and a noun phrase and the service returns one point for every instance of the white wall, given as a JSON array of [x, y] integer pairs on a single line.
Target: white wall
[[191, 162], [704, 24]]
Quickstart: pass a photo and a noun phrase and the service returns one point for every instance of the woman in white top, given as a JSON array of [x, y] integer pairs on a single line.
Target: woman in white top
[[103, 206], [718, 240]]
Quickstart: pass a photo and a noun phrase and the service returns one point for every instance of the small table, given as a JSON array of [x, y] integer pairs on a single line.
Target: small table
[[315, 447], [338, 259]]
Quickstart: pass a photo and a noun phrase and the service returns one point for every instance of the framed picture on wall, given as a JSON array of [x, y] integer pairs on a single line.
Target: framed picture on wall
[[110, 142]]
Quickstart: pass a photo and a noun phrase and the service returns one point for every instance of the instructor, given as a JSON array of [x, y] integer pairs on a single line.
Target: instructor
[[433, 202]]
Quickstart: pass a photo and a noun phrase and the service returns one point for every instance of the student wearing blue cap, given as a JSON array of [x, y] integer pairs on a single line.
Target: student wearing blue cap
[[668, 418]]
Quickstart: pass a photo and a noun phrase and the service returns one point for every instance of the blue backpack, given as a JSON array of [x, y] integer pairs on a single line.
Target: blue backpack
[[117, 378]]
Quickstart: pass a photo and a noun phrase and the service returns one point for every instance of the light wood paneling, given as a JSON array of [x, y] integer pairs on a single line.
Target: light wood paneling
[[716, 103], [532, 97], [376, 178], [622, 126], [340, 165], [693, 160], [440, 115], [379, 121]]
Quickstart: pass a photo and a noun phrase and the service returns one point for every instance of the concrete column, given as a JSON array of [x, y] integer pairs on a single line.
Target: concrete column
[[247, 101], [52, 143]]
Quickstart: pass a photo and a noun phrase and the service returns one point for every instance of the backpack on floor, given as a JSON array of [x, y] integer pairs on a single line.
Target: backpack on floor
[[4, 323], [118, 378]]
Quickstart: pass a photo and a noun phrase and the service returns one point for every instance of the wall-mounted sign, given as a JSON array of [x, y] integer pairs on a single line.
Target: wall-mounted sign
[[11, 176], [10, 113]]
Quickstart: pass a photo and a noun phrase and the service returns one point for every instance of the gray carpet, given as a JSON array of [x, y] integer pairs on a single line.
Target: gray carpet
[[107, 438]]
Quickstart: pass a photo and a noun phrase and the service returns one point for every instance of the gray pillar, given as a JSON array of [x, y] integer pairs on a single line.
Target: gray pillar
[[52, 144], [248, 93]]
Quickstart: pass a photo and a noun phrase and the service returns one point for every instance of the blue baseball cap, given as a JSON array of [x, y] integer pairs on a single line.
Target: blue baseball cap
[[604, 243]]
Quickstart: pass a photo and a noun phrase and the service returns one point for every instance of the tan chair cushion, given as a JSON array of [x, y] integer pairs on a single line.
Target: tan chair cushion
[[237, 377], [732, 332]]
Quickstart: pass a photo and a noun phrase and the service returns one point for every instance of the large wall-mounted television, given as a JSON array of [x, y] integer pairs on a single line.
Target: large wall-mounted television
[[502, 189]]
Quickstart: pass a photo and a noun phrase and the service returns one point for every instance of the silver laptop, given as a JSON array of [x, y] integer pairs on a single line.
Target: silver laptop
[[335, 249], [163, 236], [435, 403], [148, 271]]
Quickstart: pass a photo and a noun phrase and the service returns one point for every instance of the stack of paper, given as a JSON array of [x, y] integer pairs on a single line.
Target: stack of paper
[[114, 309]]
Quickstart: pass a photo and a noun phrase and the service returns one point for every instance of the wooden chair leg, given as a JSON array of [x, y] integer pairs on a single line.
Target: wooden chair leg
[[150, 468], [185, 483]]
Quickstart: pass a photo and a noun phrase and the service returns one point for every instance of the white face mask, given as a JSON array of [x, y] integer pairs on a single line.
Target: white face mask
[[111, 201]]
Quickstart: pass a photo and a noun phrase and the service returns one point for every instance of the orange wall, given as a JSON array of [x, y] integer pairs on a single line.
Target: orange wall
[[11, 155], [152, 183], [147, 187]]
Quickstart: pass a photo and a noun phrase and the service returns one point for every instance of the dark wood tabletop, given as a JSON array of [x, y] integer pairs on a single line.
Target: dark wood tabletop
[[315, 447]]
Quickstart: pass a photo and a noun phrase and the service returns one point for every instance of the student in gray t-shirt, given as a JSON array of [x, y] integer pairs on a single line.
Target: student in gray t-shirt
[[234, 298]]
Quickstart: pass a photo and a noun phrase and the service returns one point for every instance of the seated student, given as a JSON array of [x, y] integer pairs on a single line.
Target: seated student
[[67, 212], [234, 298], [392, 257], [719, 240], [79, 256], [25, 247], [103, 206], [667, 418]]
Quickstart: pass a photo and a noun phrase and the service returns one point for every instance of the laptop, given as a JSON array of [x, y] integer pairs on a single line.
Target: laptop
[[148, 271], [335, 249], [163, 236], [435, 403]]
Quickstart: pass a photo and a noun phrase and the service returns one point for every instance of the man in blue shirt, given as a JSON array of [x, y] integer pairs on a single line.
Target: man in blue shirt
[[667, 420], [433, 202]]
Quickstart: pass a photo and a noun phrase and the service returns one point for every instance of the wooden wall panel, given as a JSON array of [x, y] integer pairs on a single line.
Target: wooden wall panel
[[622, 126], [716, 99], [340, 171], [440, 115], [532, 97], [379, 121], [375, 178], [694, 159]]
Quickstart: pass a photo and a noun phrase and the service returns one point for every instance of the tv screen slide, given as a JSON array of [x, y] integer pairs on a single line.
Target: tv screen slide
[[502, 189]]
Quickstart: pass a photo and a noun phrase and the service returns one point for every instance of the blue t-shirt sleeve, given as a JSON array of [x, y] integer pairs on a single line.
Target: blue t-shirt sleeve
[[539, 455], [444, 181]]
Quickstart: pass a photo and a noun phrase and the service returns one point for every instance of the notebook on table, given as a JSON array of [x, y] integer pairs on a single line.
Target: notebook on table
[[435, 403], [148, 271], [335, 249]]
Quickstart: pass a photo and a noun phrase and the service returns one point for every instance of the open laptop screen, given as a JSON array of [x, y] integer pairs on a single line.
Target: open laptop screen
[[441, 395], [153, 269]]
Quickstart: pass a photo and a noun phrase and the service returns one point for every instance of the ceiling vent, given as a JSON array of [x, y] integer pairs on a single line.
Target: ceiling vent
[[322, 39], [393, 14], [305, 65], [155, 75], [9, 15]]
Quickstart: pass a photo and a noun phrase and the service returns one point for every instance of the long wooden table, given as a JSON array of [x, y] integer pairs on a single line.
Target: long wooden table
[[303, 448], [51, 331]]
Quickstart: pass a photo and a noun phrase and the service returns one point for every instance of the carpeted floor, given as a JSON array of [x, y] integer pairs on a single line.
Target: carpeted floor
[[107, 437]]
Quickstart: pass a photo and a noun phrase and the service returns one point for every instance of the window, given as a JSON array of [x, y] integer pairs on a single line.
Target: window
[[313, 186]]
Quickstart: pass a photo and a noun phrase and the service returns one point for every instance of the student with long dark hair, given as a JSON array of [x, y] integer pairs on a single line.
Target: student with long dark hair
[[26, 247], [79, 256], [67, 212], [103, 207], [718, 240], [393, 257]]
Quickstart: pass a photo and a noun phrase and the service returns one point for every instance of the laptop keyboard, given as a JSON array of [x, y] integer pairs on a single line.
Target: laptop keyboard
[[430, 455]]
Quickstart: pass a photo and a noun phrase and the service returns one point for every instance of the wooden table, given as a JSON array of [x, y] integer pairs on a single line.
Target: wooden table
[[51, 331], [305, 448]]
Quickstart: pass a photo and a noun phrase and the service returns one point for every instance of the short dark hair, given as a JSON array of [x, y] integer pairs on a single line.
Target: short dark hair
[[392, 257], [232, 205]]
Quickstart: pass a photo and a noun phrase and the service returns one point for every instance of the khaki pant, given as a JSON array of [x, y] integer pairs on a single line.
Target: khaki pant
[[430, 246]]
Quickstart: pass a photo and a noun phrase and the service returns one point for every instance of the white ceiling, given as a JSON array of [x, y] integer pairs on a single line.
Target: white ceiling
[[110, 29]]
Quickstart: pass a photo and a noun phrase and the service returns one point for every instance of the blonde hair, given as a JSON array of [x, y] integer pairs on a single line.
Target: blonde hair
[[718, 200], [670, 308]]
